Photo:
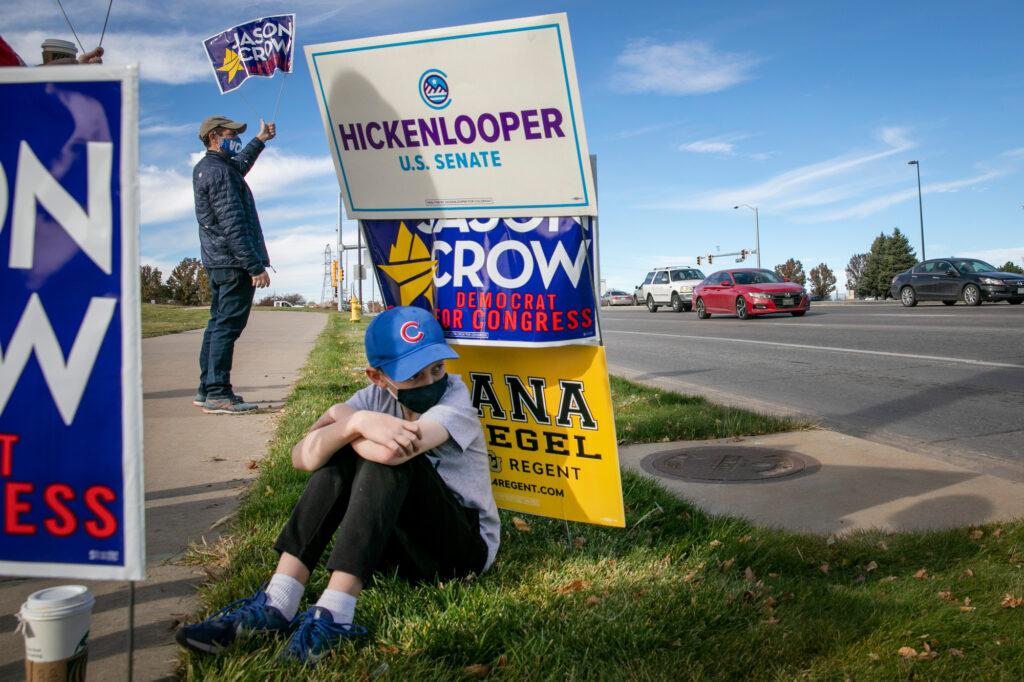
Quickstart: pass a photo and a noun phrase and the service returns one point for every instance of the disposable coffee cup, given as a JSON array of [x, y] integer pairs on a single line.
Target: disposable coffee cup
[[55, 623]]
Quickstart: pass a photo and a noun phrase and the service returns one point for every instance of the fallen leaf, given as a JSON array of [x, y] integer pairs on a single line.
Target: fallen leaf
[[691, 576], [745, 539], [268, 491], [578, 542], [859, 579], [998, 532], [521, 525], [874, 657], [593, 601], [830, 540], [967, 601], [967, 609], [727, 564], [477, 670], [977, 534], [956, 653], [773, 575], [771, 621], [749, 574], [888, 579], [907, 652], [871, 566], [921, 574], [823, 568], [1011, 602], [946, 595], [883, 545], [968, 573], [574, 586], [502, 661], [715, 544], [252, 464]]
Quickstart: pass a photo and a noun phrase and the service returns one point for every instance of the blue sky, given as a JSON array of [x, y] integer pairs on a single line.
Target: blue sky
[[808, 110]]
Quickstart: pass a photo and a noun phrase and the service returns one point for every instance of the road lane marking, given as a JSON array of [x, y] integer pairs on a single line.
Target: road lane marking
[[833, 349]]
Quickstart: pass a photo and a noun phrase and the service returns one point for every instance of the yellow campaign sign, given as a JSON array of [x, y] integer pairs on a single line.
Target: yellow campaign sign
[[550, 433]]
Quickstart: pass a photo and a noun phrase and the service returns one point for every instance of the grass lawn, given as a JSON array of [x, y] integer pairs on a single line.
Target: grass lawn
[[677, 594], [160, 319]]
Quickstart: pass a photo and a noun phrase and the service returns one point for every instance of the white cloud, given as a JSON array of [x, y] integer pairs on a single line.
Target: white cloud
[[172, 58], [996, 256], [167, 193], [866, 208], [169, 129], [708, 147], [794, 185], [680, 68]]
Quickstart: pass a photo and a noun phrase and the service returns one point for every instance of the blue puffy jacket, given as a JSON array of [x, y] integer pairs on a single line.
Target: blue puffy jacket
[[229, 228]]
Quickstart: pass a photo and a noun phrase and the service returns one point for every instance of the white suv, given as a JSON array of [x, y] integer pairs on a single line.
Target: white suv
[[670, 286]]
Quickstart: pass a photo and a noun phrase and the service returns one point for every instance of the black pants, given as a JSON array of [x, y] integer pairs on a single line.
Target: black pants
[[402, 518], [231, 292]]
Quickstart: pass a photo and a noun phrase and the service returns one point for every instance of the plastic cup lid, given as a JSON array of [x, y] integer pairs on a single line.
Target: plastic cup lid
[[58, 45], [56, 599]]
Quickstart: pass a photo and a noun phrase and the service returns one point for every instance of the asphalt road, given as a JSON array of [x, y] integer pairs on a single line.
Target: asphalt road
[[934, 379]]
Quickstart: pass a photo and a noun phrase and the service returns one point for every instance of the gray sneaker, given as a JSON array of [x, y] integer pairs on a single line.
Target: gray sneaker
[[228, 406], [200, 399]]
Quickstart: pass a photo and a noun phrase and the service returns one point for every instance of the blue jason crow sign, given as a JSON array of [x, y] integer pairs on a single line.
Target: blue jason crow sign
[[70, 381], [501, 281]]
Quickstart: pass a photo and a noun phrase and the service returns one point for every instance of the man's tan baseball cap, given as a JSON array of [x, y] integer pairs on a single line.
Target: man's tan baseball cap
[[212, 122]]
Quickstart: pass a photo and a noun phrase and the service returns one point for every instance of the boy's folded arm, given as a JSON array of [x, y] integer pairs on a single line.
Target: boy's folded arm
[[431, 434], [328, 435]]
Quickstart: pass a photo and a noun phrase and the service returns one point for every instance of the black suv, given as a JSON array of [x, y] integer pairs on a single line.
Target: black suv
[[956, 279]]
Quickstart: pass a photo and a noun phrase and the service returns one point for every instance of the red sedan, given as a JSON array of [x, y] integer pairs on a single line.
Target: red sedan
[[749, 292]]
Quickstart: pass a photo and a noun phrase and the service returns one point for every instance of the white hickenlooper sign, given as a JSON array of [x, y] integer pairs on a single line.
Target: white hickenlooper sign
[[470, 121]]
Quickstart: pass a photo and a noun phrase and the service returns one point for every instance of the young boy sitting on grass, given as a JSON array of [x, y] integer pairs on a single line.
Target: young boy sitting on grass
[[400, 479]]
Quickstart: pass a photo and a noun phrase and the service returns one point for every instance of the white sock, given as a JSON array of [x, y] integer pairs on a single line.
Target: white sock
[[284, 593], [342, 605]]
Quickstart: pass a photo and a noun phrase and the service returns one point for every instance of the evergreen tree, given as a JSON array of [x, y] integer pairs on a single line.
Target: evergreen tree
[[1010, 266], [823, 281], [867, 283], [794, 270]]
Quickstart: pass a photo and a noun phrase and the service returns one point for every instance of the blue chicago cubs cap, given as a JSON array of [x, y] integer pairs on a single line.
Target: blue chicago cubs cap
[[403, 340]]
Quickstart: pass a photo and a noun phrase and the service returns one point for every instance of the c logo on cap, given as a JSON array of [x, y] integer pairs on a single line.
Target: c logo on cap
[[410, 332]]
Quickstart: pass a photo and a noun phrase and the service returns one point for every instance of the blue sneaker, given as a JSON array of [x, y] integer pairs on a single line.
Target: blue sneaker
[[200, 398], [228, 406], [247, 615], [316, 634]]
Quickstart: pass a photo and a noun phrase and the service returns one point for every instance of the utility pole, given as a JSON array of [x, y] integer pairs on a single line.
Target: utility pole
[[920, 205]]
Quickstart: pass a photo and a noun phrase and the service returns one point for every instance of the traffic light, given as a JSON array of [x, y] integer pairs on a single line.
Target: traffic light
[[334, 274], [743, 254], [698, 260], [711, 259]]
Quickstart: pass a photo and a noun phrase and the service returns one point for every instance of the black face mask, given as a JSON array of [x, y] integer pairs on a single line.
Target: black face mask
[[422, 398]]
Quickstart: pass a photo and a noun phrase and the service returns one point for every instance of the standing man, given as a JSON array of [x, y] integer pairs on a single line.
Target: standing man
[[234, 253]]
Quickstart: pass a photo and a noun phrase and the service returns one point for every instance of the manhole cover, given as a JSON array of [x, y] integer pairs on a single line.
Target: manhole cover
[[726, 464]]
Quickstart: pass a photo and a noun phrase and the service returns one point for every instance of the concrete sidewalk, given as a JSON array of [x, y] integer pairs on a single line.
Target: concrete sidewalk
[[196, 465], [846, 484]]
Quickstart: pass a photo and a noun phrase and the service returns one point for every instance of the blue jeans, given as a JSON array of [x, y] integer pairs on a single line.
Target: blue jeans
[[231, 292]]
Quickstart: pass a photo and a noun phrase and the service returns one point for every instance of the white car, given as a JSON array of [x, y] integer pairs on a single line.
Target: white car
[[671, 286]]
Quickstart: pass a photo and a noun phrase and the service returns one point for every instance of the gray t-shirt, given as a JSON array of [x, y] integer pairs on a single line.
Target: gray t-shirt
[[461, 460]]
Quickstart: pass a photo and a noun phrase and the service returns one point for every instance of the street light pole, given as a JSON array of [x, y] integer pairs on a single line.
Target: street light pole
[[920, 205], [757, 231]]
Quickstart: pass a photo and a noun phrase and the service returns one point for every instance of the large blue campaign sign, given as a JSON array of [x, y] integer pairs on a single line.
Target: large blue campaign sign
[[70, 379], [511, 281]]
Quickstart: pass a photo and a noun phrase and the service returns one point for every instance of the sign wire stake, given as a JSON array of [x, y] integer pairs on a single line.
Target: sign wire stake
[[131, 626]]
